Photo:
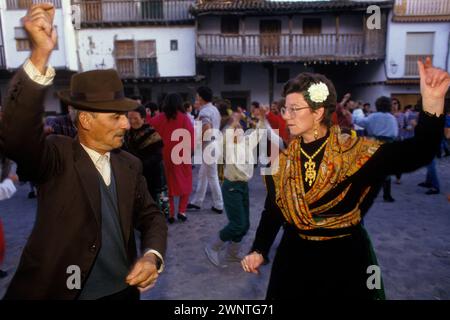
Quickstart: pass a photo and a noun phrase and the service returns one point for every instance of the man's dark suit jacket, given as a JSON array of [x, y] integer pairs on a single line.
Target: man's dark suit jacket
[[67, 229]]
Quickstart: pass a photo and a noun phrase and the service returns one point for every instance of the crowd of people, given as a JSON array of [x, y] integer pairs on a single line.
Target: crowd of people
[[333, 159]]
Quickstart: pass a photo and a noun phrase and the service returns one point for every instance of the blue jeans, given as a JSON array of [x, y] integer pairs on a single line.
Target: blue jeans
[[432, 177]]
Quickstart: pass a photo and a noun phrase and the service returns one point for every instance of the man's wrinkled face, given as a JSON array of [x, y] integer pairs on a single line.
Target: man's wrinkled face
[[108, 129], [136, 121]]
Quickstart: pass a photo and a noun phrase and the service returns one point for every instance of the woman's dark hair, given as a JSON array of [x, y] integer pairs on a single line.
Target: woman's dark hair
[[383, 104], [172, 103], [205, 93], [408, 107], [302, 82], [399, 106], [223, 107], [152, 106], [186, 106], [255, 104], [141, 111]]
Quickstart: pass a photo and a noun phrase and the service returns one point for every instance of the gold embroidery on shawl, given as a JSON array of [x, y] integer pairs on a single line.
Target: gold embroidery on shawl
[[344, 156]]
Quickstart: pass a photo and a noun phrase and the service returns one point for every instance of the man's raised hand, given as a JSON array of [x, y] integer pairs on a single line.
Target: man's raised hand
[[39, 25]]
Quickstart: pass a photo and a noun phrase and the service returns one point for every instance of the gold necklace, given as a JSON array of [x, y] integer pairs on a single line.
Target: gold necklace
[[310, 166]]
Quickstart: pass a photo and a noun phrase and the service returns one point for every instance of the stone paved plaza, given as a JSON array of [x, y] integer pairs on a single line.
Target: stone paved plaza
[[411, 238]]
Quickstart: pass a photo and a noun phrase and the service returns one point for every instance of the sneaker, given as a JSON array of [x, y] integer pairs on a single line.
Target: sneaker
[[31, 195], [216, 210], [181, 217], [213, 256], [424, 185], [171, 220], [432, 191], [193, 206], [3, 274], [388, 199]]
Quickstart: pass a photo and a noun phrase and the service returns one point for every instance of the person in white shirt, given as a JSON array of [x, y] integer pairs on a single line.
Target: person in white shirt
[[239, 154], [208, 174]]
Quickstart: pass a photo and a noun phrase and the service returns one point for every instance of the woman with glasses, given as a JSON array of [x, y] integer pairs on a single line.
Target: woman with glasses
[[326, 182]]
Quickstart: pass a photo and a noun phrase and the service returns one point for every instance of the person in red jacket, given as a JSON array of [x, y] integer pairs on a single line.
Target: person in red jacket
[[276, 121]]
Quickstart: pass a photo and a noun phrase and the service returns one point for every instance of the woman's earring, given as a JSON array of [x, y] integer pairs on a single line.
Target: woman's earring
[[316, 133]]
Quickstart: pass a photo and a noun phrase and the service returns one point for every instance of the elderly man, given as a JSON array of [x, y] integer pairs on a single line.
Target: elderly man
[[91, 195]]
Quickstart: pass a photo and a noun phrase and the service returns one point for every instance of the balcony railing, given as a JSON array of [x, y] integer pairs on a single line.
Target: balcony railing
[[135, 11], [289, 46], [411, 69], [25, 4], [137, 68], [417, 8]]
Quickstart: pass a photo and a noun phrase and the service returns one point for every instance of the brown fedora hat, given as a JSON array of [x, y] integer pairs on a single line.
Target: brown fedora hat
[[99, 91]]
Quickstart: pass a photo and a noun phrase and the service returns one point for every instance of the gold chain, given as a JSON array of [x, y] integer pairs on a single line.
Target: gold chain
[[310, 166]]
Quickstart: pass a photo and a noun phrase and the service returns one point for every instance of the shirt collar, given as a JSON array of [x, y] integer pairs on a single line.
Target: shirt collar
[[94, 155], [206, 105]]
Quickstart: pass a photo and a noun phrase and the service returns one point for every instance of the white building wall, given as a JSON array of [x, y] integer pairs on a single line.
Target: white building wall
[[396, 44], [12, 19], [96, 48]]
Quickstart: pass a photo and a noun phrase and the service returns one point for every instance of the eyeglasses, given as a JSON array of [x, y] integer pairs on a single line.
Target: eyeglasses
[[290, 112]]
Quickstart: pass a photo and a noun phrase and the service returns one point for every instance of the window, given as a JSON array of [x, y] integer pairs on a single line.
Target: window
[[147, 59], [312, 26], [229, 25], [418, 45], [136, 59], [125, 58], [232, 74], [173, 45], [22, 42], [283, 75]]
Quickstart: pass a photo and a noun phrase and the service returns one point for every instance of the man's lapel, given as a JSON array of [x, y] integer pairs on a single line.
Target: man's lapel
[[88, 175], [125, 186]]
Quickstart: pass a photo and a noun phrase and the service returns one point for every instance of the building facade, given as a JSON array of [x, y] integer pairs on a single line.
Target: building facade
[[16, 47], [249, 49], [151, 43], [245, 50]]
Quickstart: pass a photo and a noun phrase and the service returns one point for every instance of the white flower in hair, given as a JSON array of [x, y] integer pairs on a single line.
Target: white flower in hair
[[318, 92]]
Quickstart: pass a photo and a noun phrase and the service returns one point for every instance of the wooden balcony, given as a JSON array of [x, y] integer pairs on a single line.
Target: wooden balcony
[[25, 4], [411, 69], [421, 10], [135, 12], [290, 47]]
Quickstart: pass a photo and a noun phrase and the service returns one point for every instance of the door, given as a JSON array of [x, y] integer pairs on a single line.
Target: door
[[270, 31]]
